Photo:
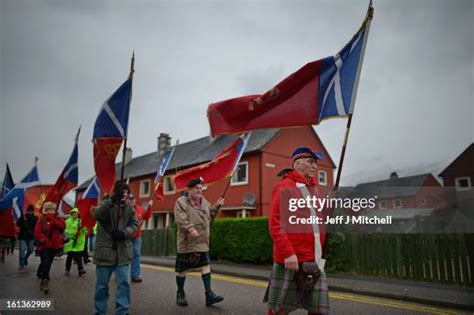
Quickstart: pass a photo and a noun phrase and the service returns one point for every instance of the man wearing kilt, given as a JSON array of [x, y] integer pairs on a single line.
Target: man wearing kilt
[[193, 214], [291, 248]]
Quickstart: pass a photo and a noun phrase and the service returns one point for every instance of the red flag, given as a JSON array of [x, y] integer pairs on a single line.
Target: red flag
[[293, 102], [7, 224], [84, 206], [319, 90], [159, 191], [220, 167], [105, 152]]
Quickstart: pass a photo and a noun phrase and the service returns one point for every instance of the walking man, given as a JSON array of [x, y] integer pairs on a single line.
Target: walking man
[[298, 279], [193, 214], [26, 223]]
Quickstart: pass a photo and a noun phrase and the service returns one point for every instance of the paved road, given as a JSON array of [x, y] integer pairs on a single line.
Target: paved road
[[156, 295]]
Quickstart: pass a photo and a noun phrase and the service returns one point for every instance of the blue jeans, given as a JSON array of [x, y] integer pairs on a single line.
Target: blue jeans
[[26, 249], [91, 242], [122, 292], [137, 253]]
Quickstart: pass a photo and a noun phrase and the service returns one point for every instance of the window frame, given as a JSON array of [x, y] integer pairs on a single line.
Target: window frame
[[325, 183], [394, 206], [165, 187], [460, 188], [141, 193], [246, 182]]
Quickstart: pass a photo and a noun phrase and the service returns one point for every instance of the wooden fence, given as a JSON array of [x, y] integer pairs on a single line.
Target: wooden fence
[[445, 258]]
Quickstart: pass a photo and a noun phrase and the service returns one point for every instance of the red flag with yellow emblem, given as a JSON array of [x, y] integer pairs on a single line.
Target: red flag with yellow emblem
[[110, 130]]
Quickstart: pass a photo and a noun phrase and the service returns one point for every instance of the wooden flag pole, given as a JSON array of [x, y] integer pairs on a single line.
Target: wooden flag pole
[[367, 20], [124, 152]]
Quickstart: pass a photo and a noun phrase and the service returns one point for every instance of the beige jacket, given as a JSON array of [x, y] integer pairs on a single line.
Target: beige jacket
[[187, 216]]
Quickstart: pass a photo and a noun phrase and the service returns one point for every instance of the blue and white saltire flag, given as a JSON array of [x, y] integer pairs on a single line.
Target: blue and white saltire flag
[[16, 196], [7, 184], [165, 161], [339, 77], [68, 178], [241, 148], [110, 129], [92, 191]]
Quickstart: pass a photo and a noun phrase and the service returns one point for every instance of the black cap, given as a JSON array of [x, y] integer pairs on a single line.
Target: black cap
[[195, 181]]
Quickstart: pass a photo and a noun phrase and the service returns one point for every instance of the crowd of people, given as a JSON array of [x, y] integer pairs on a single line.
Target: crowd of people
[[116, 243]]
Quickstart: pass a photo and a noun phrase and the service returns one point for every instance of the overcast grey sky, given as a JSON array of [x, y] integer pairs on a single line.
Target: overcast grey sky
[[61, 59]]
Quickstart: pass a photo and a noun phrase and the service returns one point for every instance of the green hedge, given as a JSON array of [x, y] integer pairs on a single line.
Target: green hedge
[[241, 240], [249, 241]]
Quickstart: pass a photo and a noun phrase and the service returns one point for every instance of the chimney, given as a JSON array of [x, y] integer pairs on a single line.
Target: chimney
[[393, 175], [128, 155], [164, 143]]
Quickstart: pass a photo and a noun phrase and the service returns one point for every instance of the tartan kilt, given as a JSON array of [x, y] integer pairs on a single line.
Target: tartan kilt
[[186, 261], [290, 299]]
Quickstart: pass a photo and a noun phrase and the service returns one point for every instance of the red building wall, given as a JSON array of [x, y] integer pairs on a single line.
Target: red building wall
[[278, 152]]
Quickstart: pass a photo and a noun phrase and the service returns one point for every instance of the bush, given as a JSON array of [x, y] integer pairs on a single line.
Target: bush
[[338, 259], [241, 240]]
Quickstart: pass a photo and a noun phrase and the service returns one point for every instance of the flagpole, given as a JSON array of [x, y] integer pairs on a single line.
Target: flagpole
[[132, 70], [367, 20]]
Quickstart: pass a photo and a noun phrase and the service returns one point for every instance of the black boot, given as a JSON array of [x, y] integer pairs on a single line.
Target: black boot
[[181, 299], [212, 298]]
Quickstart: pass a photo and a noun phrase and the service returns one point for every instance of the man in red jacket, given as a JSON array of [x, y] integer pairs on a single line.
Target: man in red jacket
[[49, 235], [293, 247], [136, 238]]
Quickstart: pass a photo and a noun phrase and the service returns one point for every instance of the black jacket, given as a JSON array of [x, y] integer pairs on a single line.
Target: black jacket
[[27, 227]]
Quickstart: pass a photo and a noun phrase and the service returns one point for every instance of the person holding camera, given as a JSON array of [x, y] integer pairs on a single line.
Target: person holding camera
[[49, 236], [116, 223], [298, 279]]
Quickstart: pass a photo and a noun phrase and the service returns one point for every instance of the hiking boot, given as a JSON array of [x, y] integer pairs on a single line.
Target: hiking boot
[[82, 272], [181, 299], [212, 298]]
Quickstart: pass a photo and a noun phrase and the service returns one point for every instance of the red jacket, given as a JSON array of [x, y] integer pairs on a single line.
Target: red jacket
[[49, 234], [288, 244], [142, 215]]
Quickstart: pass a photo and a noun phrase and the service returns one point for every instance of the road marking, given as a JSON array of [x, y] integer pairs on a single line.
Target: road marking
[[335, 295]]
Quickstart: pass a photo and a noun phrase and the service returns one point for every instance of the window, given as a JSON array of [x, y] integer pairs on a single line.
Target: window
[[397, 203], [241, 175], [463, 183], [144, 188], [383, 204], [322, 178], [168, 186], [423, 202]]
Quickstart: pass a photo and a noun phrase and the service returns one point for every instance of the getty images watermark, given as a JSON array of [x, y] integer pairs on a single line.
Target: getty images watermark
[[318, 204], [376, 210]]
